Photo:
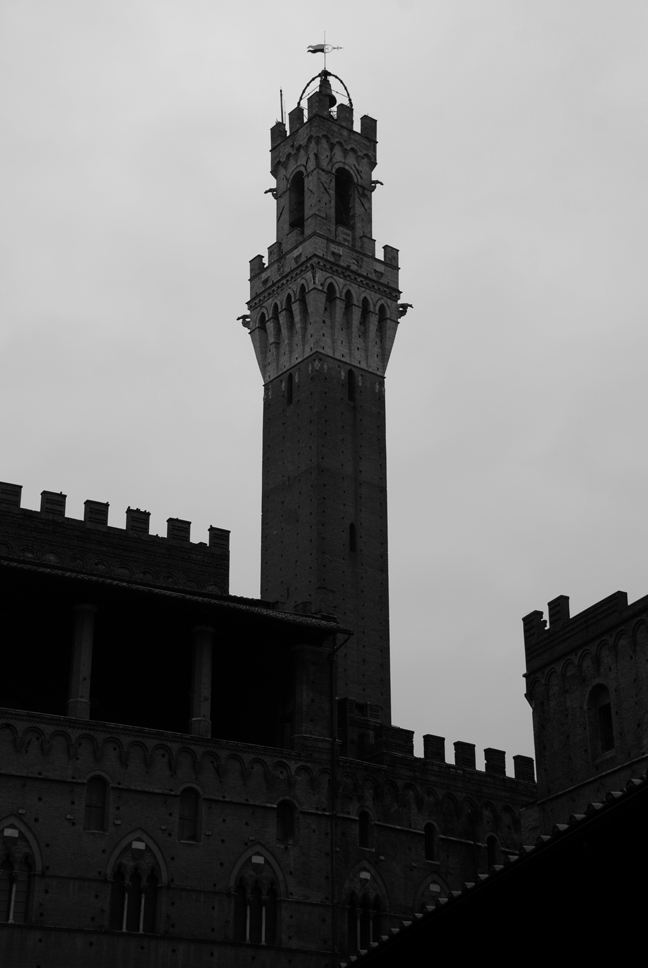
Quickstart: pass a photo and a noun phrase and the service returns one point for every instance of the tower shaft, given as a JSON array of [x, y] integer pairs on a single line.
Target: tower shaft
[[323, 317]]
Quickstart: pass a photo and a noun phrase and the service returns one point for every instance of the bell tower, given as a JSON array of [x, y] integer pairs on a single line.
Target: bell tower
[[323, 315]]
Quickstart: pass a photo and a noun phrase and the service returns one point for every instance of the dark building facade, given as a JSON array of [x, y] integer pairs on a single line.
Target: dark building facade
[[587, 684], [188, 777]]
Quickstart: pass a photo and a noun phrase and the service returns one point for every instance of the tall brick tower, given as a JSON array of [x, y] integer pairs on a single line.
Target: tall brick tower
[[323, 315]]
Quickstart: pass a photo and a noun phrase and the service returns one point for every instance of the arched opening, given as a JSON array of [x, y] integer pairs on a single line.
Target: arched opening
[[296, 197], [256, 916], [376, 920], [271, 918], [117, 901], [286, 814], [134, 906], [365, 922], [364, 315], [188, 828], [344, 198], [240, 913], [601, 727], [430, 834], [364, 829], [96, 803], [149, 919]]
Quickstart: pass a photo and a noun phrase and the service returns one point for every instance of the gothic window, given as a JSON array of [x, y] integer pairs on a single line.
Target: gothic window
[[351, 386], [353, 538], [364, 316], [96, 804], [296, 202], [15, 889], [430, 834], [255, 913], [133, 902], [343, 198], [286, 814], [600, 721], [365, 831], [188, 828], [363, 921], [134, 890]]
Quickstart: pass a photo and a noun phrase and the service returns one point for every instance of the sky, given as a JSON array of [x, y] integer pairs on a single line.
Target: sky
[[513, 151]]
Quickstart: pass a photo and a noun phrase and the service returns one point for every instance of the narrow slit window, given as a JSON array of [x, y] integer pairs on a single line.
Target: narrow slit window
[[353, 538], [289, 389]]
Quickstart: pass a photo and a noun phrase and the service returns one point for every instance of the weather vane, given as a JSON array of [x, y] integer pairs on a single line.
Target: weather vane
[[322, 49]]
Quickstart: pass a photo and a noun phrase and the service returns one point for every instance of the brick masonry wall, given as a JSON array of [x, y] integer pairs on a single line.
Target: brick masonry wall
[[46, 762], [324, 469]]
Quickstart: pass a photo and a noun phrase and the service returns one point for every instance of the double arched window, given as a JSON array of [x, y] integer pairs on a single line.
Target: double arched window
[[133, 900], [364, 921], [256, 913]]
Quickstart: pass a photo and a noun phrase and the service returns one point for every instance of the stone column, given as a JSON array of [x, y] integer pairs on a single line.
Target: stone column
[[201, 680], [80, 672]]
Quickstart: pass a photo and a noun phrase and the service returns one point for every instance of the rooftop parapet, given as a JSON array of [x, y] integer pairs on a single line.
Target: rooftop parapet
[[91, 544], [545, 641]]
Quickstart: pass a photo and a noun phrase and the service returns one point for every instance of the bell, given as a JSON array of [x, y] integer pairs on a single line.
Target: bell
[[325, 88]]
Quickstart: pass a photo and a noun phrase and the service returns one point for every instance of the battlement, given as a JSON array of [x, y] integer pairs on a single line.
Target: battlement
[[92, 545], [365, 737], [545, 641]]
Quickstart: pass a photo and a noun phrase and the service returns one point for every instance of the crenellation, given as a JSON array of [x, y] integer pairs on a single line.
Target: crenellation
[[94, 546]]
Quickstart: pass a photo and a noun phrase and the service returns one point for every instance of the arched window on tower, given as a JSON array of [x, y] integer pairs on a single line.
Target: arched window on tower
[[430, 834], [189, 827], [601, 727], [286, 814], [96, 804], [344, 198], [365, 830], [296, 198]]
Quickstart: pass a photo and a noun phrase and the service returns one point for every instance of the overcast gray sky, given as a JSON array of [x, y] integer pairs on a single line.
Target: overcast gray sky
[[513, 151]]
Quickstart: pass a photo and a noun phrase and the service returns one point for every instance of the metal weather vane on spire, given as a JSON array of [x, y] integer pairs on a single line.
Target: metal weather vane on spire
[[322, 49]]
